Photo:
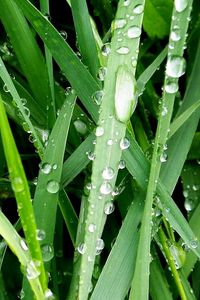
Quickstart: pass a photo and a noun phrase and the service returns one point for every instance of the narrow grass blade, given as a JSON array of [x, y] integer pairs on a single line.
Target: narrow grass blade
[[46, 195], [27, 50], [64, 56], [15, 243], [85, 35], [21, 190], [23, 110]]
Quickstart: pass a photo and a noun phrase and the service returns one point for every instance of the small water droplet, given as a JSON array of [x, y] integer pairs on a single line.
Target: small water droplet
[[47, 252], [175, 35], [181, 5], [102, 73], [63, 34], [54, 166], [171, 87], [49, 295], [6, 89], [119, 23], [106, 49], [138, 9], [99, 246], [17, 184], [81, 248], [32, 271], [176, 66], [109, 208], [106, 188], [122, 164], [99, 131], [123, 50], [23, 245], [92, 228], [134, 32], [164, 111], [53, 186], [188, 204], [109, 142], [40, 234], [108, 173], [80, 126], [127, 2], [193, 244], [124, 143], [97, 97], [45, 168]]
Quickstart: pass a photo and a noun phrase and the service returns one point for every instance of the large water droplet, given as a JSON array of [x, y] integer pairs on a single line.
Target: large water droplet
[[134, 32], [106, 188], [176, 66], [109, 208], [80, 126], [108, 173], [124, 143], [138, 9], [123, 50], [53, 186], [47, 252], [181, 5], [125, 94]]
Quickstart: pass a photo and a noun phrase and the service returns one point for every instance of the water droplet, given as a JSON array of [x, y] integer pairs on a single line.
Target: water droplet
[[193, 244], [106, 49], [176, 66], [92, 228], [102, 73], [171, 87], [119, 23], [80, 127], [109, 142], [47, 252], [21, 294], [97, 97], [45, 168], [23, 245], [31, 270], [68, 91], [181, 5], [108, 173], [109, 208], [106, 188], [125, 99], [40, 234], [63, 34], [49, 295], [188, 204], [99, 246], [138, 9], [123, 50], [127, 2], [163, 157], [124, 143], [23, 101], [195, 187], [185, 193], [81, 248], [134, 32], [99, 131], [164, 111], [6, 89], [122, 164], [178, 255], [175, 35], [17, 184], [53, 186], [54, 166]]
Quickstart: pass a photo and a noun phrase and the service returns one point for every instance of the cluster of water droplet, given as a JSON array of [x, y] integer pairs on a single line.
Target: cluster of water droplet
[[53, 186]]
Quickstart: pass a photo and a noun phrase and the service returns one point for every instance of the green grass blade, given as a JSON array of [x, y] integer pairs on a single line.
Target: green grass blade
[[18, 101], [85, 35], [112, 124], [64, 56], [15, 243], [27, 50], [21, 190], [46, 195]]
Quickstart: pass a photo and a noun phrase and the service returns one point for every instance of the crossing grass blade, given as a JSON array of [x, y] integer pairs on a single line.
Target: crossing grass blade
[[22, 194]]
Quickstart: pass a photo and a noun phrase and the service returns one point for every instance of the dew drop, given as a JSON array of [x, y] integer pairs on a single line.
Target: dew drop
[[188, 204], [49, 295], [193, 244], [31, 270], [181, 5], [101, 75], [106, 188], [138, 9], [90, 155], [175, 35], [17, 184], [108, 173], [53, 186], [164, 111], [109, 208], [92, 228], [80, 127], [171, 87], [163, 157], [124, 143], [123, 50], [106, 49], [47, 252], [119, 23], [176, 66], [122, 164], [99, 131], [45, 168], [134, 32], [109, 142], [40, 234], [63, 34], [81, 248], [97, 97], [23, 245], [178, 255], [127, 2], [99, 246], [6, 89]]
